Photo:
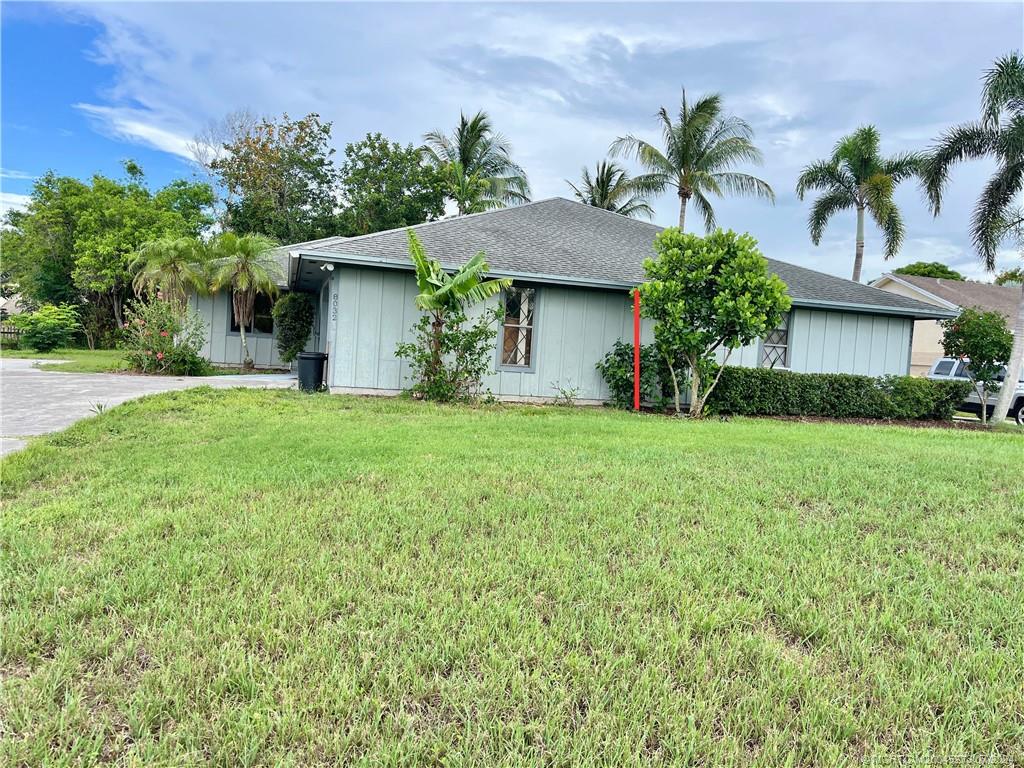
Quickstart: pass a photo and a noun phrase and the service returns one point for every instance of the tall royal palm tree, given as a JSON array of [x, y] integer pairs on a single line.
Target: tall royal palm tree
[[245, 265], [478, 162], [998, 214], [611, 188], [171, 267], [858, 177], [701, 151]]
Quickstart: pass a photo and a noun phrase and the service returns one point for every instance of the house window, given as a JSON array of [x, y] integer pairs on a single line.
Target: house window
[[775, 346], [517, 328], [262, 319]]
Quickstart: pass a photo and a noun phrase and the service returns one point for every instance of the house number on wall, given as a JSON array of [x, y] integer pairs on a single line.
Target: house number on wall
[[334, 306]]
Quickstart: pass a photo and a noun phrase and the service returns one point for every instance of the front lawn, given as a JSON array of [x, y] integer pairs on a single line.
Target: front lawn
[[75, 360], [266, 578]]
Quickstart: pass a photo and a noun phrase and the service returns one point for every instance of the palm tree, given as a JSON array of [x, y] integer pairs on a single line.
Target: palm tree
[[611, 188], [442, 293], [701, 151], [998, 214], [171, 267], [479, 161], [858, 177], [247, 266]]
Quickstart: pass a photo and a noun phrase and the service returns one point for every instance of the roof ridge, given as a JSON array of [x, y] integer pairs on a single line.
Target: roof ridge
[[462, 217]]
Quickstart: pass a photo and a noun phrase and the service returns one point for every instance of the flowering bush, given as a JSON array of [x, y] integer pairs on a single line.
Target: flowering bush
[[156, 340]]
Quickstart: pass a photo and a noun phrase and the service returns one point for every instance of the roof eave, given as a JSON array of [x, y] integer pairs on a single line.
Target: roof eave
[[402, 264]]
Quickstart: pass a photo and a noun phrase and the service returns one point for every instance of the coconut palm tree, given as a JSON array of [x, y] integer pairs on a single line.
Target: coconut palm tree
[[998, 214], [171, 267], [247, 266], [478, 162], [611, 188], [858, 177], [700, 153]]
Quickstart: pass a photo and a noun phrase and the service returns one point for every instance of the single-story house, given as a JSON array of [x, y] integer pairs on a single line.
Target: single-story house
[[573, 267], [953, 296]]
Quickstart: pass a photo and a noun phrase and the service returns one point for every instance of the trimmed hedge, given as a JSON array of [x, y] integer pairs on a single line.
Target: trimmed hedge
[[769, 392]]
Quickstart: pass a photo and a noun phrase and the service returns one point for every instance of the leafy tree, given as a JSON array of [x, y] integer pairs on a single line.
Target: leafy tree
[[998, 214], [172, 267], [983, 339], [704, 294], [77, 241], [39, 243], [1013, 276], [385, 186], [48, 328], [444, 298], [858, 177], [294, 314], [929, 269], [246, 266], [700, 152], [478, 167], [280, 179], [612, 189]]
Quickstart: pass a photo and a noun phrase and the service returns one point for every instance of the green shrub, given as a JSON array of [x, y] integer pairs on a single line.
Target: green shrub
[[616, 368], [48, 328], [769, 392], [156, 340], [466, 354], [293, 319]]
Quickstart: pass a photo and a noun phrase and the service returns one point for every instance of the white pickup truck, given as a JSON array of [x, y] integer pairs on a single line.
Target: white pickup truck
[[951, 369]]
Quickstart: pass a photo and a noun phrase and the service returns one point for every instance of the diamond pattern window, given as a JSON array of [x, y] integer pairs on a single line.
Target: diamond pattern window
[[517, 329], [775, 346]]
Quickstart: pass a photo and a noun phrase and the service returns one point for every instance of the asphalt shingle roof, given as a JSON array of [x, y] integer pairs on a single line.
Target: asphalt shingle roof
[[559, 238], [967, 293]]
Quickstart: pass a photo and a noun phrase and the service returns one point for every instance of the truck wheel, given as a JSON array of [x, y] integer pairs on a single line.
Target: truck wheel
[[1019, 415]]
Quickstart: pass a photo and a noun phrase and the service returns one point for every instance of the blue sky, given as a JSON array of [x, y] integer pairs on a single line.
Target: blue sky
[[86, 86]]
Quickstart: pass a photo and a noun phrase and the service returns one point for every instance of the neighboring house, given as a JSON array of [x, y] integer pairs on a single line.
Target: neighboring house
[[10, 306], [951, 295], [573, 268]]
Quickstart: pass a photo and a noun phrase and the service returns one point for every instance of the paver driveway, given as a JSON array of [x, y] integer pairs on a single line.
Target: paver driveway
[[35, 402]]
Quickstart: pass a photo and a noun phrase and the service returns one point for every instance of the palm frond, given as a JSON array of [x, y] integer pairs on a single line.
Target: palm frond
[[890, 222], [824, 208], [704, 208], [989, 221], [824, 175], [744, 184], [968, 141], [1003, 89]]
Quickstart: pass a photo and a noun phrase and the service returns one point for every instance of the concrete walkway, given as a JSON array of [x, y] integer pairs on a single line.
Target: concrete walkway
[[35, 402]]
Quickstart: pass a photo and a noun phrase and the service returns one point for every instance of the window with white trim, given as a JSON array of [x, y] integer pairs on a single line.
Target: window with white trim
[[517, 328], [775, 346]]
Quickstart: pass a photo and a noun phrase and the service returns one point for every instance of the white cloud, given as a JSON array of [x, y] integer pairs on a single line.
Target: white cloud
[[8, 173], [137, 126], [12, 201]]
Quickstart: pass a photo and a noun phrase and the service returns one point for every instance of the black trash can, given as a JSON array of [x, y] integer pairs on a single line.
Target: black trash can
[[311, 371]]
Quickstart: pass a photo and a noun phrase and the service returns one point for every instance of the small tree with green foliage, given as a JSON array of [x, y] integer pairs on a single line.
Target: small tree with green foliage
[[1013, 277], [49, 327], [449, 359], [983, 339], [929, 269], [293, 320], [706, 293]]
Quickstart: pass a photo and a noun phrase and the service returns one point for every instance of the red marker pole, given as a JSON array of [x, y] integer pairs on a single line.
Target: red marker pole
[[636, 349]]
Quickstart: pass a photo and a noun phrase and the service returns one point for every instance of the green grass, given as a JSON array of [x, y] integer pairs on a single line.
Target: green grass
[[77, 360], [270, 578]]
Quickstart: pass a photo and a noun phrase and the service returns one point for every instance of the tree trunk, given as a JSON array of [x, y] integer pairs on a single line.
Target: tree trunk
[[684, 197], [675, 382], [858, 260], [695, 403], [246, 360], [1013, 368], [436, 328]]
